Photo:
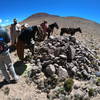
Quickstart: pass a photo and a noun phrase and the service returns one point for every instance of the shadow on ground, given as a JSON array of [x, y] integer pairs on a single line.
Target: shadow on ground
[[20, 67], [12, 48]]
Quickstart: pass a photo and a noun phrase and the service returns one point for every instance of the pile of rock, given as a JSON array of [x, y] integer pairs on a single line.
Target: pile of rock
[[62, 57], [67, 57]]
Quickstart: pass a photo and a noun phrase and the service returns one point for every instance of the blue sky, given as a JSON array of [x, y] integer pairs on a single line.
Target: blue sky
[[21, 9]]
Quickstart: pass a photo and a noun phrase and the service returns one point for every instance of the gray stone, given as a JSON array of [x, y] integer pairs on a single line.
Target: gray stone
[[39, 64], [78, 95], [70, 53], [76, 86], [74, 69], [50, 70], [62, 73], [63, 57], [97, 74], [49, 44], [85, 74], [46, 63], [51, 56], [0, 72], [72, 39], [86, 97], [52, 37]]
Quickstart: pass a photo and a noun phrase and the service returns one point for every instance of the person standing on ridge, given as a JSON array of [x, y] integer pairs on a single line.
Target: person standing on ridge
[[15, 30]]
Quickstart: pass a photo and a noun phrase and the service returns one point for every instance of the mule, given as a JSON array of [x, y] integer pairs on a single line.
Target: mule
[[51, 28], [70, 31], [40, 36]]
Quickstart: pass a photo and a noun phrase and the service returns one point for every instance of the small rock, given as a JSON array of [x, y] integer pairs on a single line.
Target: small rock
[[97, 74], [63, 57], [70, 53], [50, 69], [62, 73]]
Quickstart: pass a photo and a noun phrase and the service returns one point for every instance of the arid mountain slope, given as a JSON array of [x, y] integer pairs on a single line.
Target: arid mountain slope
[[87, 26]]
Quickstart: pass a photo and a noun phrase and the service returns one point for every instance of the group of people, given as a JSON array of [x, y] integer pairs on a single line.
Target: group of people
[[16, 29], [6, 64]]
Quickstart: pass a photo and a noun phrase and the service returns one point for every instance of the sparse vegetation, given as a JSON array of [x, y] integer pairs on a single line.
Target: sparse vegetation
[[68, 84], [6, 91], [91, 92], [98, 82]]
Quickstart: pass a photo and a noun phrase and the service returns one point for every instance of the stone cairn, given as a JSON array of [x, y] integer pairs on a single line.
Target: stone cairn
[[59, 58]]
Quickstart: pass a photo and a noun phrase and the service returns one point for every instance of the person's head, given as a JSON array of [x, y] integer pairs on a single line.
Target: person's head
[[15, 21], [45, 22]]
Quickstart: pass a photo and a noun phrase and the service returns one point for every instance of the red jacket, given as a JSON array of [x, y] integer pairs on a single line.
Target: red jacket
[[44, 27]]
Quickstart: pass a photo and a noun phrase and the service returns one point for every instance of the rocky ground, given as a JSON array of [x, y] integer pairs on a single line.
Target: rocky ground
[[63, 68]]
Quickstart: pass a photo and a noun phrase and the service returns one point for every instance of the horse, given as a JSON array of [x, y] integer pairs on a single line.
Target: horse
[[70, 31], [41, 35], [51, 28]]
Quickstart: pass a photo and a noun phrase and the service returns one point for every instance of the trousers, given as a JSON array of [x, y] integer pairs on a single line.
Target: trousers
[[7, 67]]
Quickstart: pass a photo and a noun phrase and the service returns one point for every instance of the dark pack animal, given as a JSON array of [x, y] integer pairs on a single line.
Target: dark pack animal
[[70, 31], [51, 28], [40, 36]]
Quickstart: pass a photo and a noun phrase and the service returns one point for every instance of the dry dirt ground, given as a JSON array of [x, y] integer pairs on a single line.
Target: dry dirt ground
[[26, 91], [23, 90]]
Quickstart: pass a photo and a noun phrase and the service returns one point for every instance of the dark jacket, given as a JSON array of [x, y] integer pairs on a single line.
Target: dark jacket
[[26, 35]]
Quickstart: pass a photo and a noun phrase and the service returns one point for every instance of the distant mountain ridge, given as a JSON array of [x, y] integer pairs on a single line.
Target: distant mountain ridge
[[87, 26], [40, 15]]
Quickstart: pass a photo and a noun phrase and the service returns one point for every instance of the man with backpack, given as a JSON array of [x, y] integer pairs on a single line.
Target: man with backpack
[[6, 64]]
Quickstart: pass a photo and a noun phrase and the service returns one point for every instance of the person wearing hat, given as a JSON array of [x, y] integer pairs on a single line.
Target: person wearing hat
[[15, 30], [6, 64], [44, 26]]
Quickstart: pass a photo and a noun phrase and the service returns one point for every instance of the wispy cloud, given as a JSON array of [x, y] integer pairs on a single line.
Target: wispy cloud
[[7, 20], [4, 22], [0, 20]]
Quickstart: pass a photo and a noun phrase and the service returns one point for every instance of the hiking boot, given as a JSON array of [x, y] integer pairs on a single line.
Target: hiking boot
[[5, 81], [16, 78]]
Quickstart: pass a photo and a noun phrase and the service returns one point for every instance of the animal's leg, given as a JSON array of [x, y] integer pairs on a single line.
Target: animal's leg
[[61, 33], [48, 34]]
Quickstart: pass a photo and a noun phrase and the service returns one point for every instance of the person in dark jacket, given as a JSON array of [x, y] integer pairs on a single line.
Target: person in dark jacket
[[6, 64], [27, 37]]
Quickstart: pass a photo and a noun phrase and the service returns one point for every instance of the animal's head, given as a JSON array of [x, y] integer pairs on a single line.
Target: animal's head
[[79, 29], [56, 25]]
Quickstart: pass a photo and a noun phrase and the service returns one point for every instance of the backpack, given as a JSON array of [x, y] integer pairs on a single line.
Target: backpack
[[3, 47]]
